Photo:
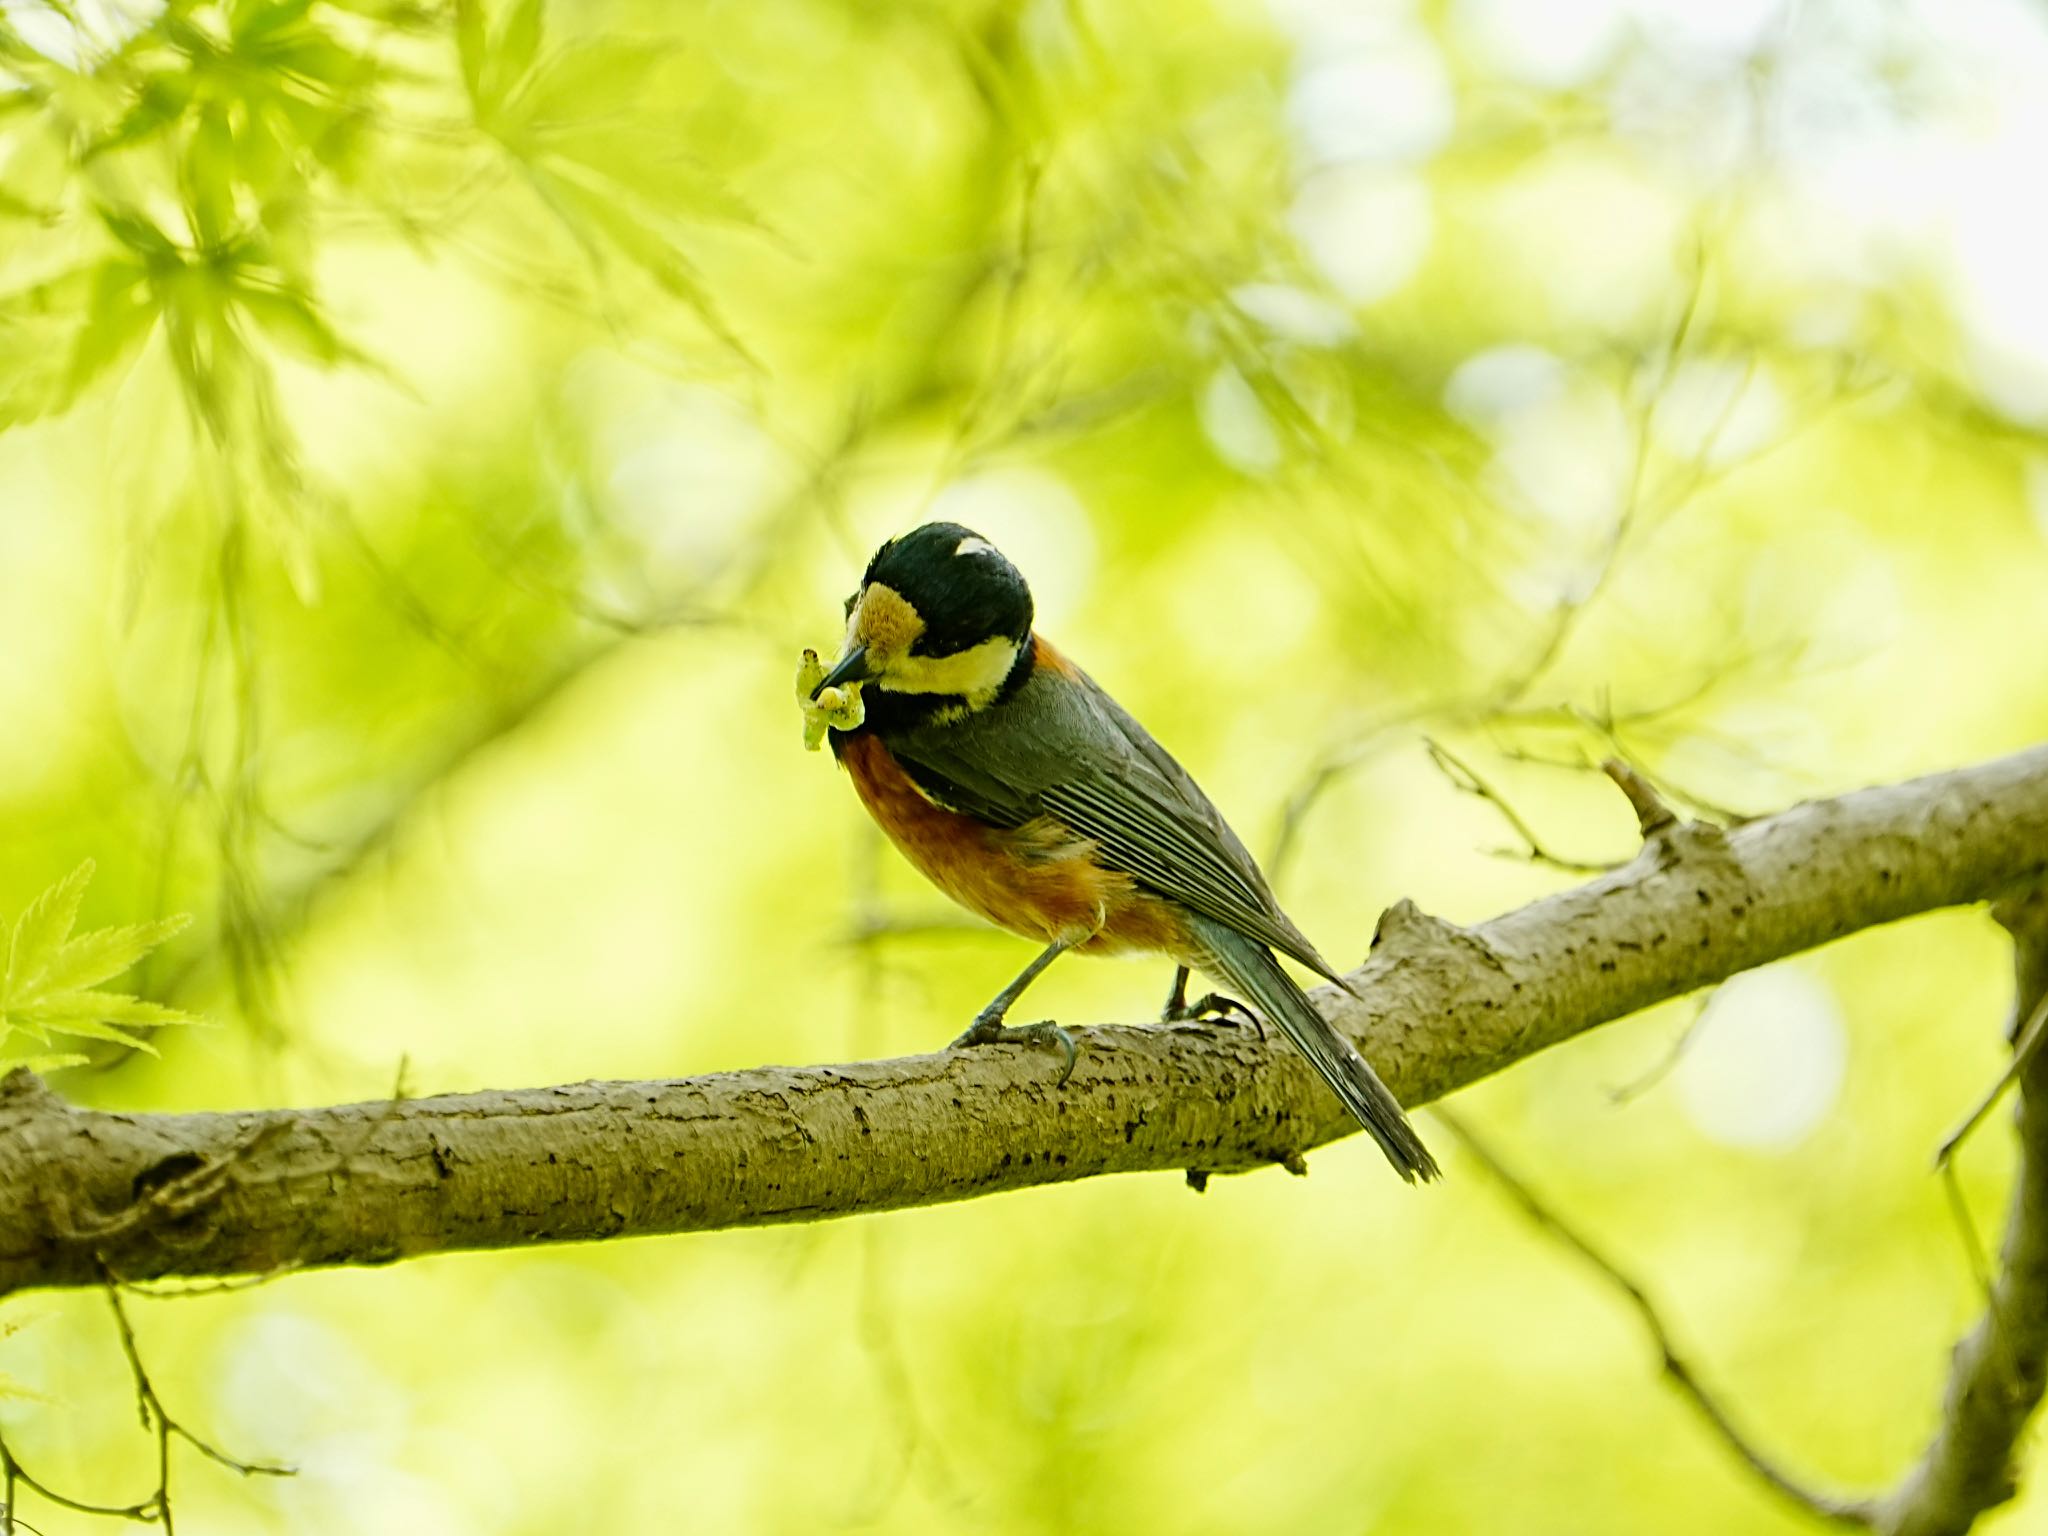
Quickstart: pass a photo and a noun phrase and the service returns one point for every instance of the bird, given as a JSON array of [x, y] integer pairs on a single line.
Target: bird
[[1014, 783]]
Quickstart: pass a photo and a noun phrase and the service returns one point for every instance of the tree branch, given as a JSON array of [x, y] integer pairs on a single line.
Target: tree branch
[[84, 1194], [1996, 1378]]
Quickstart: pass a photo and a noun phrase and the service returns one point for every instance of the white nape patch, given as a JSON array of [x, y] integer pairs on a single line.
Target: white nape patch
[[974, 544]]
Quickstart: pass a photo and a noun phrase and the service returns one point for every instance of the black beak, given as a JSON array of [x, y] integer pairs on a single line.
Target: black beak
[[850, 668]]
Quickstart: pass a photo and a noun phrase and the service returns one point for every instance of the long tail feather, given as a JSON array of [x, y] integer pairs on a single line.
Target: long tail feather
[[1248, 967]]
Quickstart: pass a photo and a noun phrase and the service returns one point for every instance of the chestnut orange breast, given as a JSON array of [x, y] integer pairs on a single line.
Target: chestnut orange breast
[[1039, 880]]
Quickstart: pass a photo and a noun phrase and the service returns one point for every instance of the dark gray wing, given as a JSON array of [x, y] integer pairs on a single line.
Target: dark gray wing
[[1072, 753]]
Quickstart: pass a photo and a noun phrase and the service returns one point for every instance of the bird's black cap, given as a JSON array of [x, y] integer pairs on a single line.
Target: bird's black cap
[[963, 587]]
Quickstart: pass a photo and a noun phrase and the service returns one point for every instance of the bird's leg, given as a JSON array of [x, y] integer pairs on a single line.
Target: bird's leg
[[1176, 1007], [1179, 1010], [988, 1027]]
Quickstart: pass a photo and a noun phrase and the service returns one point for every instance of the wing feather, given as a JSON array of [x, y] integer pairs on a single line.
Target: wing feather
[[1061, 747]]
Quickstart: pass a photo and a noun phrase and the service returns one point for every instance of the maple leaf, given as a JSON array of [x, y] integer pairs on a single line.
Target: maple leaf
[[54, 981]]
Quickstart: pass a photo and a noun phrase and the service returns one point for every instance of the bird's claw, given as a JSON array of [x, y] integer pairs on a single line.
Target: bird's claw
[[993, 1031], [1213, 1005]]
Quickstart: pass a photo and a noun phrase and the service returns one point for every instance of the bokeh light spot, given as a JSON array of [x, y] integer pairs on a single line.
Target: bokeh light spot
[[1767, 1062]]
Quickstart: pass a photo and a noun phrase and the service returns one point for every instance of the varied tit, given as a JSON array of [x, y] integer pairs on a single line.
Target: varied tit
[[1026, 793]]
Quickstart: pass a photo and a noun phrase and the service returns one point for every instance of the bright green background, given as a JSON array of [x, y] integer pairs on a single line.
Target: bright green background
[[432, 434]]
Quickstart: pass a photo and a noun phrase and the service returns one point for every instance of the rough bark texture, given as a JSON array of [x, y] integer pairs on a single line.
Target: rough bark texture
[[1996, 1378], [84, 1194]]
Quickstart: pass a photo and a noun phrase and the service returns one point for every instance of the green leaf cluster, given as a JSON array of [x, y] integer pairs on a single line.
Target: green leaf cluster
[[169, 181], [55, 982], [575, 119], [167, 199], [171, 177]]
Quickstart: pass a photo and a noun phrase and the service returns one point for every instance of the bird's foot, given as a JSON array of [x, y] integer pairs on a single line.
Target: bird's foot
[[1213, 1006], [989, 1029], [1215, 1002]]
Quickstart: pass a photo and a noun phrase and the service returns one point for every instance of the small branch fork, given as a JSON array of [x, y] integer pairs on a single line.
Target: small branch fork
[[1467, 778], [1653, 816], [1999, 1372], [157, 1420]]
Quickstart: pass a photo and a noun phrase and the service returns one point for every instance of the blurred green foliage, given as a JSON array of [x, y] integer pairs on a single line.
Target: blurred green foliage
[[431, 430]]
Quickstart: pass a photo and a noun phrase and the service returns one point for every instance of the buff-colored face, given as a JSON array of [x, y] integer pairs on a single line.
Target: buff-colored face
[[887, 627]]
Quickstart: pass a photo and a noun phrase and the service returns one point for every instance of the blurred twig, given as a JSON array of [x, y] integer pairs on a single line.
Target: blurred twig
[[1683, 1375], [155, 1507], [1998, 1373], [2024, 1049], [1662, 1067], [1464, 778], [1647, 499], [1967, 1234], [1634, 505], [158, 1420]]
